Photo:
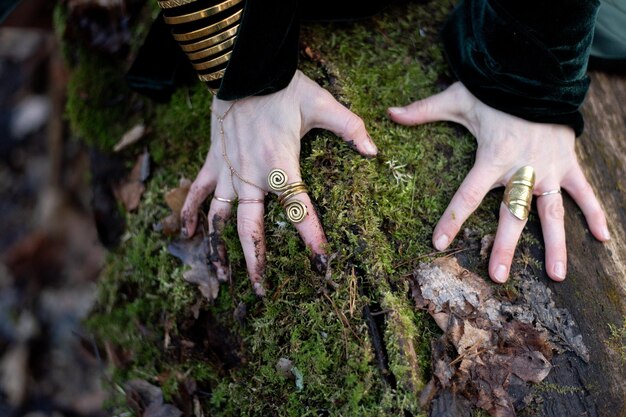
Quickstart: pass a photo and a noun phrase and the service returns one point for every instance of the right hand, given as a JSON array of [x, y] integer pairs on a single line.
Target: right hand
[[263, 133]]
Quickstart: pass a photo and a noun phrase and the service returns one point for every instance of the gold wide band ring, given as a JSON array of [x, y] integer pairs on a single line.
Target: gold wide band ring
[[295, 209], [518, 193]]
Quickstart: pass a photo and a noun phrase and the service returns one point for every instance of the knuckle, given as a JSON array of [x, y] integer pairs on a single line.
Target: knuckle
[[470, 196], [422, 107], [555, 210], [504, 252], [354, 126], [248, 226]]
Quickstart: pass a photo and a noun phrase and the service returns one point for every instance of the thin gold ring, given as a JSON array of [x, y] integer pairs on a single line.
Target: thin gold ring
[[223, 200], [206, 31], [213, 40], [557, 191], [213, 62], [205, 53], [201, 14], [213, 76], [250, 201], [170, 4]]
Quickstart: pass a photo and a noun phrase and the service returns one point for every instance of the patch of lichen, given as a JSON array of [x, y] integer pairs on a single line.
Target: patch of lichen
[[378, 215]]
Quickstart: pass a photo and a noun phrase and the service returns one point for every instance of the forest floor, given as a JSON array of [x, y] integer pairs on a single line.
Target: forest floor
[[350, 340]]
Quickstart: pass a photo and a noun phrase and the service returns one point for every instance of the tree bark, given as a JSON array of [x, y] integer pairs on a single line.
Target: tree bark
[[595, 290]]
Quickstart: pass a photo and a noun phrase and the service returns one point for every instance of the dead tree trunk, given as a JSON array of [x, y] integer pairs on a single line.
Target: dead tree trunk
[[595, 291]]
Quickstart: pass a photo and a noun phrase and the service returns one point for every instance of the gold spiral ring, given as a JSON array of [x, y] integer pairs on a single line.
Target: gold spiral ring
[[296, 211], [277, 179]]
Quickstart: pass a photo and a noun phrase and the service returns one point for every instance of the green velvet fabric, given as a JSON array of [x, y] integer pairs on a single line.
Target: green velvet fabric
[[527, 58], [265, 56], [608, 51]]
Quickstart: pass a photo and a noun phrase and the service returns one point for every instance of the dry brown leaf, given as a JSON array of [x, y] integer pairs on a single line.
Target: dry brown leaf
[[129, 191], [146, 400], [497, 356], [194, 253], [130, 137], [175, 199]]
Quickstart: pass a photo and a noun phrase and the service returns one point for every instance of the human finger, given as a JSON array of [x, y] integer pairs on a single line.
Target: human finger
[[508, 233], [581, 191], [334, 116], [251, 232], [203, 185], [446, 105], [466, 200], [218, 216], [552, 214], [300, 211]]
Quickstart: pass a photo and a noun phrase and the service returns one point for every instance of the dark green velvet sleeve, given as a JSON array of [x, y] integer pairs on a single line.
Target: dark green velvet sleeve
[[525, 58], [265, 56]]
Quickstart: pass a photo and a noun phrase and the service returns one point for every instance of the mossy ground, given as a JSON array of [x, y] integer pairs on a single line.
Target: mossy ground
[[378, 215]]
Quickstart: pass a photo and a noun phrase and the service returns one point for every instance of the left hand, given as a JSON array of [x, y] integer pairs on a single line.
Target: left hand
[[505, 144]]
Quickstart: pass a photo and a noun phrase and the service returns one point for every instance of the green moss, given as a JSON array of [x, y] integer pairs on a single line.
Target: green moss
[[617, 340], [99, 104], [378, 215], [558, 389]]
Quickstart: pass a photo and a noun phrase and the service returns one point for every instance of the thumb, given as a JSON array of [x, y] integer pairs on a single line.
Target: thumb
[[443, 106], [332, 115]]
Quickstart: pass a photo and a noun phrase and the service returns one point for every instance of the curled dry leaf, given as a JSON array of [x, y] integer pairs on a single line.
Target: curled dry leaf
[[130, 190], [174, 198], [146, 400], [485, 356], [194, 253]]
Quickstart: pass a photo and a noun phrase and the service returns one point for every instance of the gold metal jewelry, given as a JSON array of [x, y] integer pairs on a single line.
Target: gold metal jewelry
[[518, 193], [170, 4], [557, 191], [233, 171], [212, 63], [277, 179], [212, 76], [250, 201], [208, 42], [295, 209], [206, 31], [205, 53], [223, 200], [201, 14], [291, 192]]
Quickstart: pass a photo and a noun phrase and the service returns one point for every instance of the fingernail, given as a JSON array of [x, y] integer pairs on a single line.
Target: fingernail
[[559, 270], [370, 147], [259, 290], [396, 110], [442, 242], [500, 274], [183, 232], [605, 233]]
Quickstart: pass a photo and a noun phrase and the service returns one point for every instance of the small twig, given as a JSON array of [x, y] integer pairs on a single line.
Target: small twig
[[447, 252], [378, 313], [340, 314]]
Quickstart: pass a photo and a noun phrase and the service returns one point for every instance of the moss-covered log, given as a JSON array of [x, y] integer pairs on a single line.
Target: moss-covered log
[[360, 347]]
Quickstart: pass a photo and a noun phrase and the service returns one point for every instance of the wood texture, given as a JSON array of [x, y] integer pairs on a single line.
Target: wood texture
[[595, 291]]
